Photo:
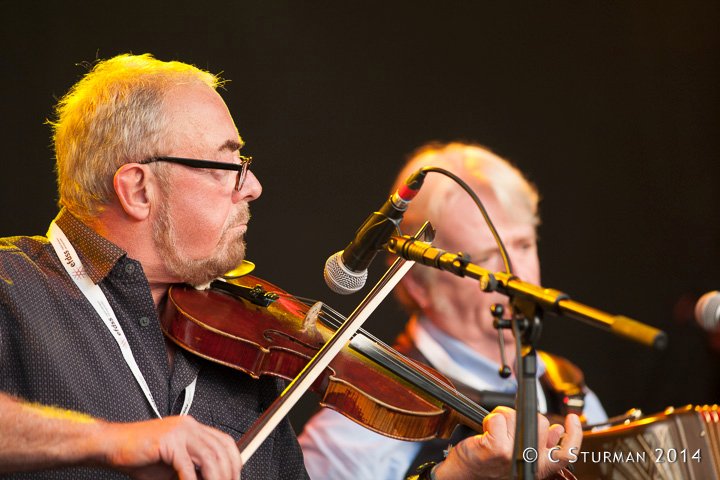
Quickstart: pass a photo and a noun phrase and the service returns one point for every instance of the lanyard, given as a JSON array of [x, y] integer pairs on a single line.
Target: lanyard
[[94, 294]]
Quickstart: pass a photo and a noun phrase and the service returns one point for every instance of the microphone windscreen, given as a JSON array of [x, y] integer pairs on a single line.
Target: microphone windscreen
[[340, 279], [707, 310]]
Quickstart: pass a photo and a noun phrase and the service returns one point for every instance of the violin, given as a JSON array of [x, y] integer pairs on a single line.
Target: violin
[[251, 325]]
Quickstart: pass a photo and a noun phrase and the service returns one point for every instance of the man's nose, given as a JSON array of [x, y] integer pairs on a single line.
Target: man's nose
[[525, 265], [251, 188]]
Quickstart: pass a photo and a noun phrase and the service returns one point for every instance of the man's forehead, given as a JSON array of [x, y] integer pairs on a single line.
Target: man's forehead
[[198, 116], [460, 216], [510, 209]]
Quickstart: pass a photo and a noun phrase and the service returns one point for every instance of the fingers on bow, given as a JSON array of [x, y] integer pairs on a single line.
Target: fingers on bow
[[205, 450]]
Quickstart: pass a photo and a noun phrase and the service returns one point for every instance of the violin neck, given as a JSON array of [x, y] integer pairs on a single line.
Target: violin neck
[[464, 410]]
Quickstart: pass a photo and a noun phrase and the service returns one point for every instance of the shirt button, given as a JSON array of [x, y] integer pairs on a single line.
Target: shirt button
[[129, 268], [144, 321]]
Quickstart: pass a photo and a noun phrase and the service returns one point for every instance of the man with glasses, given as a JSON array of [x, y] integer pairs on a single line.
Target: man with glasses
[[153, 191]]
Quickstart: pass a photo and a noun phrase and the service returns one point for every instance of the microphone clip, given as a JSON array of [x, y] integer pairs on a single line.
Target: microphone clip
[[499, 324]]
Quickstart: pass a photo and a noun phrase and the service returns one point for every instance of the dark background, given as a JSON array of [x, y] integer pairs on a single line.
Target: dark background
[[611, 108]]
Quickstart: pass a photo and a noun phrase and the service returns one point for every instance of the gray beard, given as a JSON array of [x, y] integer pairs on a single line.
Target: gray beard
[[228, 255]]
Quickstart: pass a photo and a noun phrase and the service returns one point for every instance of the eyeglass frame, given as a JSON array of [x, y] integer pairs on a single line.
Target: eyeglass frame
[[241, 168]]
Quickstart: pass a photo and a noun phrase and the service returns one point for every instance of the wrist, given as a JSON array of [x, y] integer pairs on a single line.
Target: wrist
[[99, 444]]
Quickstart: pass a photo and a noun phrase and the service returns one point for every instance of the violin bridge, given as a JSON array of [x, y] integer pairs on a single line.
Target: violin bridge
[[311, 317]]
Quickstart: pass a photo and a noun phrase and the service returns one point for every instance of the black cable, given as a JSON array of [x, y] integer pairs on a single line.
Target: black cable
[[476, 199]]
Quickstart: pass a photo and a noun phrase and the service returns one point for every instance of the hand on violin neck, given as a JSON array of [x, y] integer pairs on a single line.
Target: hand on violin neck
[[562, 445], [490, 455]]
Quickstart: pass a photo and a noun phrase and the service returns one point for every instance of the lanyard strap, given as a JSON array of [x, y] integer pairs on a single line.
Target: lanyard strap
[[94, 294]]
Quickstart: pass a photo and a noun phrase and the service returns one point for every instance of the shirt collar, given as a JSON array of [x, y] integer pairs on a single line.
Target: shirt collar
[[97, 253], [469, 359]]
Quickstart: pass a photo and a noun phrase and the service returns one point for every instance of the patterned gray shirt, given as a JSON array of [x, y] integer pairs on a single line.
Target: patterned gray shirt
[[55, 350]]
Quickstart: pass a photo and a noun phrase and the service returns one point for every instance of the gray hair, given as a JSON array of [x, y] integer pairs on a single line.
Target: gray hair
[[111, 117], [482, 170]]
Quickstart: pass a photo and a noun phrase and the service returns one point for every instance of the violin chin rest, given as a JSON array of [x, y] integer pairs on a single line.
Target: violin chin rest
[[241, 270]]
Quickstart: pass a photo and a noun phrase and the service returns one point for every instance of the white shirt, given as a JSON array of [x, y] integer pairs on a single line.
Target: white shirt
[[338, 448]]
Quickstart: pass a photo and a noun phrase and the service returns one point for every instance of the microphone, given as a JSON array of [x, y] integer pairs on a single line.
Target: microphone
[[707, 311], [346, 271]]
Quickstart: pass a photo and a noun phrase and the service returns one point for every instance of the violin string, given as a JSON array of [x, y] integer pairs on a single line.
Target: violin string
[[399, 360], [335, 319]]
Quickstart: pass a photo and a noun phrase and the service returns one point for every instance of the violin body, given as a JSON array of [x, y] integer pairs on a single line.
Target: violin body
[[280, 338]]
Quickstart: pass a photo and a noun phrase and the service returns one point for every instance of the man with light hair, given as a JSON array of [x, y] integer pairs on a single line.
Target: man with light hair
[[153, 192], [451, 324]]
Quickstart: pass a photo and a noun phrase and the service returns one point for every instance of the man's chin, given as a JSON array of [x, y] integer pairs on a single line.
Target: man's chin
[[202, 272]]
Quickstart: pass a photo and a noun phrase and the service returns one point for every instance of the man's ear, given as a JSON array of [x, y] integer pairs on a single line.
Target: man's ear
[[134, 189]]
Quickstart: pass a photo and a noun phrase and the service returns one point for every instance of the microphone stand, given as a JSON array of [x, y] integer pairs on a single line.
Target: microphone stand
[[530, 301], [526, 327]]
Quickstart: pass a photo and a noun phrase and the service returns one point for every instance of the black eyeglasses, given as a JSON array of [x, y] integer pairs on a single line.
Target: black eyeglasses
[[241, 168]]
